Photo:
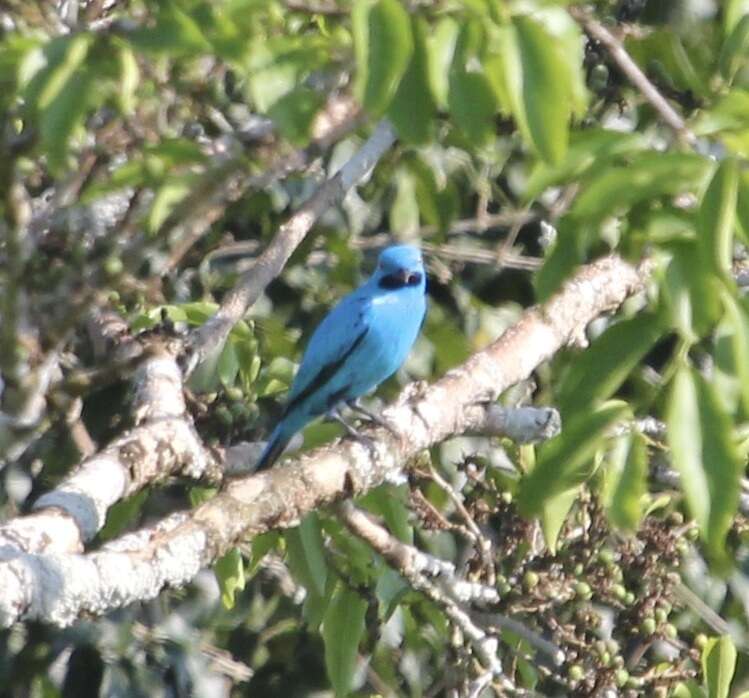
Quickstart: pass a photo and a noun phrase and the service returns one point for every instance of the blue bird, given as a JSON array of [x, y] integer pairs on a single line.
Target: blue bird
[[360, 343]]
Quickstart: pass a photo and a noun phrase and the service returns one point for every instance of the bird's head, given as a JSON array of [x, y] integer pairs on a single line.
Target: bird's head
[[399, 266]]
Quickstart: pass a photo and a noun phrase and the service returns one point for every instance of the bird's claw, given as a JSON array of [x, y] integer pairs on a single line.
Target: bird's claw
[[334, 416], [373, 417]]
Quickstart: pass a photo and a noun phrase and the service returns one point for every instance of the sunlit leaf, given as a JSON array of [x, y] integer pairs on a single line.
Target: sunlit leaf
[[471, 98], [626, 481], [554, 514], [563, 462], [718, 665], [229, 571], [538, 86], [717, 215], [737, 314], [691, 290], [343, 627], [648, 176], [383, 43], [412, 109], [605, 365], [703, 451], [306, 554], [735, 49]]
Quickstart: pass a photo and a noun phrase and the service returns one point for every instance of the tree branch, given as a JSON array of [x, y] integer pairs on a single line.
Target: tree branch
[[165, 442], [57, 588], [211, 336], [626, 64]]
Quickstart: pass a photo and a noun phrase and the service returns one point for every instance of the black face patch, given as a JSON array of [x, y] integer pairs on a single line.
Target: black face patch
[[392, 282]]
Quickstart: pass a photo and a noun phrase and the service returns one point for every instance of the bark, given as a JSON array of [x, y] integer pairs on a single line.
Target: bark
[[58, 587]]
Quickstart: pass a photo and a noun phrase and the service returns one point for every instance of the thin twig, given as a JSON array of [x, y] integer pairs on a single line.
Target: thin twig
[[626, 64], [212, 335]]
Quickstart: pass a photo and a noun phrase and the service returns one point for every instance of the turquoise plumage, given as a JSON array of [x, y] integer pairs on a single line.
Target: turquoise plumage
[[361, 342]]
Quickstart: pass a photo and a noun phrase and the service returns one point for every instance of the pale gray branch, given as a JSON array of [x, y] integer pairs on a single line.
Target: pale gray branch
[[57, 588], [210, 337]]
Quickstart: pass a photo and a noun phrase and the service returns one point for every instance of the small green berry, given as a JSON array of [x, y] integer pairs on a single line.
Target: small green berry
[[648, 626], [113, 266], [583, 590], [619, 591]]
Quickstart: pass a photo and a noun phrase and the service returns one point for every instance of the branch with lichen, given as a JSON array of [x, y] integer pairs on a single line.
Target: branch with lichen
[[58, 587]]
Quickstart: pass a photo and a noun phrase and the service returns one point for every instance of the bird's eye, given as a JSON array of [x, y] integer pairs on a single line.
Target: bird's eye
[[414, 278]]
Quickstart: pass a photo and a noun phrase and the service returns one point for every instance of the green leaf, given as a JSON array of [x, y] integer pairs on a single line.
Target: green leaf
[[389, 590], [122, 514], [626, 481], [440, 45], [732, 11], [687, 689], [563, 462], [59, 75], [389, 502], [383, 45], [538, 86], [294, 112], [742, 207], [167, 197], [605, 365], [129, 79], [228, 364], [691, 290], [175, 32], [588, 148], [64, 115], [60, 93], [413, 110], [470, 97], [717, 216], [733, 55], [718, 665], [554, 514], [261, 546], [306, 554], [704, 453], [647, 177], [438, 201], [568, 251], [404, 213], [229, 570], [343, 628], [738, 315]]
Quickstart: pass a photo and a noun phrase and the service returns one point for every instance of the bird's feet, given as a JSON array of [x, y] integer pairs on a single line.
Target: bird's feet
[[372, 417], [335, 416]]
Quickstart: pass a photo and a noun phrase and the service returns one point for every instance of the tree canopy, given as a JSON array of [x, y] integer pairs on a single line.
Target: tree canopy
[[560, 506]]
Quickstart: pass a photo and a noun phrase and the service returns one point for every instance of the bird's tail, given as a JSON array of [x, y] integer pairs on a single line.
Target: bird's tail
[[273, 449]]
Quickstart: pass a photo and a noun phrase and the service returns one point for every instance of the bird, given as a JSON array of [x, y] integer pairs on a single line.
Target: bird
[[360, 343]]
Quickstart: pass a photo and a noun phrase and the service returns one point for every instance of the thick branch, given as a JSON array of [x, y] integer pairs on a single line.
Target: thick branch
[[58, 588], [163, 444], [166, 443]]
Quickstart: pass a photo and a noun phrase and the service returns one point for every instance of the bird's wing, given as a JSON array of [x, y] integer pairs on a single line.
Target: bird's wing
[[339, 334]]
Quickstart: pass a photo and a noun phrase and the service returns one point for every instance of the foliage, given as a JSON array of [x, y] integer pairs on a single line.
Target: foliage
[[520, 140]]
